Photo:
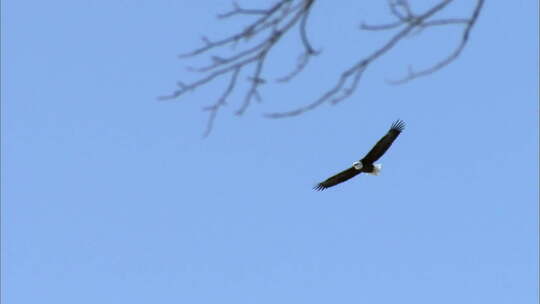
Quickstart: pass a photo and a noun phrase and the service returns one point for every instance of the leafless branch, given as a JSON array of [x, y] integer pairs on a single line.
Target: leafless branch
[[409, 21], [222, 101], [274, 22], [237, 10], [469, 23], [353, 74], [397, 5], [381, 27], [303, 59]]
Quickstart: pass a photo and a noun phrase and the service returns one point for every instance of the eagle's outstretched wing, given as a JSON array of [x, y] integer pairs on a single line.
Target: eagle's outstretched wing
[[338, 178], [384, 143]]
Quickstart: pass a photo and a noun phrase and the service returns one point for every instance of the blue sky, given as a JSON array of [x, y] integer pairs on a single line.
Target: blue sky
[[110, 196]]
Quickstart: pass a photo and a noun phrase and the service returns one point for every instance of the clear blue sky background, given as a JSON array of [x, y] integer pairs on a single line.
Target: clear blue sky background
[[109, 196]]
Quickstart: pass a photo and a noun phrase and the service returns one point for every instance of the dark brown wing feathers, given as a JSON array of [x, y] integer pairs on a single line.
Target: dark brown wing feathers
[[338, 178], [384, 143], [376, 152]]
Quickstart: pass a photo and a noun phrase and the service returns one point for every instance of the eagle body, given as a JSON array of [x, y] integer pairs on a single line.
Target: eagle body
[[366, 164]]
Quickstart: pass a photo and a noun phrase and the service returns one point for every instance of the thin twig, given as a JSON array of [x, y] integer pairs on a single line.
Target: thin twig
[[222, 101], [457, 51], [274, 22], [357, 69]]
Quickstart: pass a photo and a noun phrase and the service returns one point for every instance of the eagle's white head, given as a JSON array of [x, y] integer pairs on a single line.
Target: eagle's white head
[[376, 169]]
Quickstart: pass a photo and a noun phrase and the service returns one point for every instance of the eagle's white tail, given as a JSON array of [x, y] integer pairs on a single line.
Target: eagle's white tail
[[376, 169]]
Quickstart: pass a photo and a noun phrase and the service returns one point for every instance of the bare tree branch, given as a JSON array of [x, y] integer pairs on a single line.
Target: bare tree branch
[[303, 59], [272, 23], [410, 21], [222, 101], [256, 80], [395, 7], [455, 54], [246, 33], [381, 27], [353, 74], [237, 10]]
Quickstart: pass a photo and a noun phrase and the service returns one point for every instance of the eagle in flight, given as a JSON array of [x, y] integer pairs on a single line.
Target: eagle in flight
[[366, 164]]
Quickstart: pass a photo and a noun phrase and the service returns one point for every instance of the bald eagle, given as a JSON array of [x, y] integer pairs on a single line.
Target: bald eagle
[[366, 164]]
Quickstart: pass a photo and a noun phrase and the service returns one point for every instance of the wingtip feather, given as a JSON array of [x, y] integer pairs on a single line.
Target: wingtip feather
[[319, 187], [398, 125]]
